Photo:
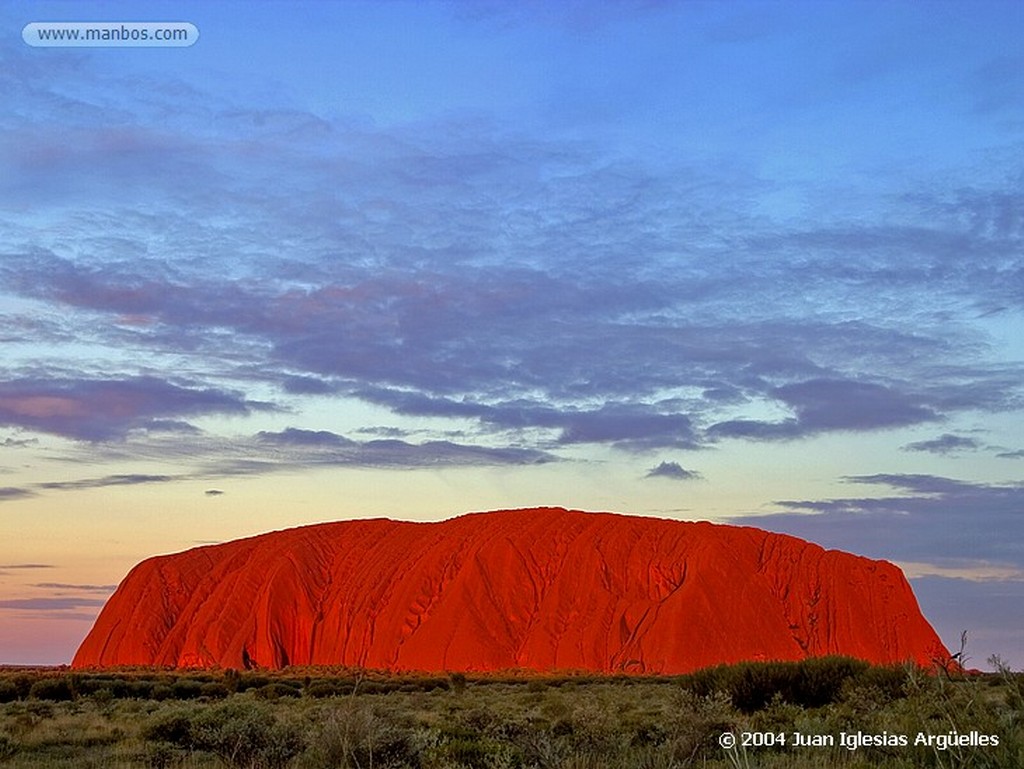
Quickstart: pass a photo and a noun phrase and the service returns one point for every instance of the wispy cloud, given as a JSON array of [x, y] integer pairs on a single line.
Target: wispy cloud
[[127, 479], [27, 566], [106, 409], [9, 493], [50, 604], [946, 443], [296, 447], [976, 571], [75, 586], [206, 457], [131, 479], [293, 436], [209, 457], [18, 443]]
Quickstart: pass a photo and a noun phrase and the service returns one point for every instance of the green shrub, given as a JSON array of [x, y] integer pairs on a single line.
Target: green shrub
[[170, 726], [241, 734], [810, 683], [376, 687], [232, 680], [461, 746], [213, 690], [7, 747], [186, 689], [23, 684], [277, 690], [39, 709], [162, 756], [161, 692], [536, 686], [432, 683], [464, 751], [8, 691], [819, 681], [102, 696], [247, 682], [117, 687], [246, 735], [349, 734], [883, 683], [320, 689], [54, 689], [139, 690], [694, 725], [458, 682]]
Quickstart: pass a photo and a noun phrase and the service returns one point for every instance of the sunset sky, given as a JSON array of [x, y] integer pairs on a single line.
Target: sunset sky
[[748, 262]]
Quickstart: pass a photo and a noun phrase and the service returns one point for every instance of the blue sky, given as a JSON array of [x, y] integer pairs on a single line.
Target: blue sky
[[756, 262]]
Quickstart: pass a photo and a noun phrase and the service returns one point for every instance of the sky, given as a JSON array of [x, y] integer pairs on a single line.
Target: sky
[[758, 263]]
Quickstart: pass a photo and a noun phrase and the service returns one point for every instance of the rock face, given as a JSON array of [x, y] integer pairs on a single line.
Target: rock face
[[540, 589]]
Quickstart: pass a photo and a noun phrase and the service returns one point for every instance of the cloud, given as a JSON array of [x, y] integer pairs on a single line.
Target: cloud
[[828, 404], [384, 431], [933, 520], [210, 456], [545, 289], [16, 443], [627, 427], [926, 485], [970, 570], [9, 493], [944, 444], [129, 479], [307, 385], [72, 586], [672, 470], [295, 446], [592, 356], [170, 426], [106, 409], [293, 436], [634, 426], [395, 453], [1018, 454], [50, 604], [289, 449], [27, 566]]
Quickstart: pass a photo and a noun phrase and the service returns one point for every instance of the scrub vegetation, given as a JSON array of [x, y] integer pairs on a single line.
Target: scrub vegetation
[[306, 718]]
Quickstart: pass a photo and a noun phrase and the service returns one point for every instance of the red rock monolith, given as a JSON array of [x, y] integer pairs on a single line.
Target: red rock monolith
[[539, 589]]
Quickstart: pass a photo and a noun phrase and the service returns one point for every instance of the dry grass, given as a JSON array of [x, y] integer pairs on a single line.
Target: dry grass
[[135, 719]]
